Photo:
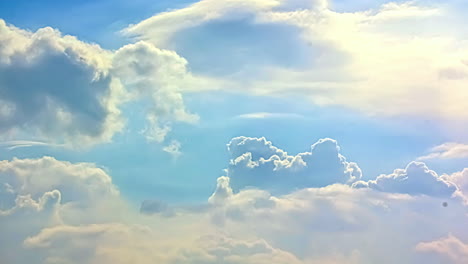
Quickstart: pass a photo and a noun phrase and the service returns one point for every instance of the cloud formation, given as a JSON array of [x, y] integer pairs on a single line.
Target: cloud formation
[[58, 89], [255, 162], [359, 60], [447, 151], [452, 248], [155, 75], [415, 179], [60, 212], [266, 115]]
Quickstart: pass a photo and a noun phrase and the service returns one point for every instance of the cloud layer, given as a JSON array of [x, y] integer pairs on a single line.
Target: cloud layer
[[269, 206], [60, 212]]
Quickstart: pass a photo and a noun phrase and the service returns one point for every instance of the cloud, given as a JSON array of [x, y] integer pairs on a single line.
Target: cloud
[[194, 15], [224, 250], [173, 148], [77, 182], [150, 207], [415, 179], [460, 179], [105, 243], [44, 193], [60, 90], [47, 78], [266, 115], [14, 144], [451, 247], [354, 59], [447, 151], [157, 76], [325, 223], [26, 217], [60, 212], [256, 162], [222, 192]]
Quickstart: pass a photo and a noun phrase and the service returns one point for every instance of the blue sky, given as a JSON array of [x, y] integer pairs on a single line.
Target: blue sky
[[362, 138], [198, 120]]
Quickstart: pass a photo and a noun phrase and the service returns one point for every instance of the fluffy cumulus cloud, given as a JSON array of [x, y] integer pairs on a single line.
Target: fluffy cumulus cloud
[[270, 206], [156, 75], [60, 212], [357, 59], [338, 222], [415, 179], [460, 179], [255, 162], [55, 86], [45, 192], [64, 91]]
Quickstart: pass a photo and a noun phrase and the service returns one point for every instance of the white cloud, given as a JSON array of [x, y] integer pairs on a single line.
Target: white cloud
[[451, 247], [447, 151], [222, 192], [360, 60], [173, 148], [324, 223], [194, 15], [14, 144], [58, 89], [158, 76], [415, 179], [256, 162], [460, 179], [225, 250], [265, 115], [78, 182], [60, 212]]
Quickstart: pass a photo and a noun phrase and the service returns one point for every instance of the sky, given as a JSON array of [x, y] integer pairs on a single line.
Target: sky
[[233, 131]]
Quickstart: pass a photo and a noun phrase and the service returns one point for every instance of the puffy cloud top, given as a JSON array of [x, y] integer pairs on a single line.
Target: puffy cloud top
[[415, 179], [256, 162], [64, 91], [80, 182]]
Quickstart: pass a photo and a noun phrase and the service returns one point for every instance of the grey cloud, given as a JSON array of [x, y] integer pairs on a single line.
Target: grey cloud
[[155, 207], [58, 89], [55, 87]]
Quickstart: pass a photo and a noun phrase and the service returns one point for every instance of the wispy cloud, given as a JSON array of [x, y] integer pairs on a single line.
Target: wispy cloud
[[265, 115], [14, 144], [173, 148], [449, 150]]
